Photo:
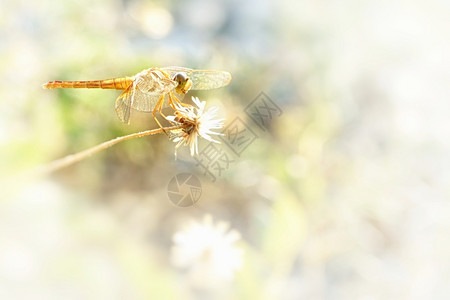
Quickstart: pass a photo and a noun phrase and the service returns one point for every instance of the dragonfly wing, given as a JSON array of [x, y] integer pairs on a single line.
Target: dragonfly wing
[[124, 103], [209, 79], [146, 101], [153, 81], [149, 88], [145, 92], [202, 79], [172, 71]]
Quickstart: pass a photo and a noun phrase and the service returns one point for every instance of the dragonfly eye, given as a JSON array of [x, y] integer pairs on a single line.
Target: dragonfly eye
[[180, 78]]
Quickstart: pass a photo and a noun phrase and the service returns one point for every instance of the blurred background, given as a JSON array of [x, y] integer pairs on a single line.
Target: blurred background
[[344, 195]]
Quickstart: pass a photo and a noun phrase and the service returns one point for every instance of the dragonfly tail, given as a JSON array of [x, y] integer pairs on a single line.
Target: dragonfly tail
[[116, 83]]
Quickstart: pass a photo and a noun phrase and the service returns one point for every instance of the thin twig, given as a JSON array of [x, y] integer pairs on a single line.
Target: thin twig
[[73, 158]]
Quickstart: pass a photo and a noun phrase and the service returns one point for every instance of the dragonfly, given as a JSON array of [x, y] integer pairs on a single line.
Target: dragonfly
[[147, 90]]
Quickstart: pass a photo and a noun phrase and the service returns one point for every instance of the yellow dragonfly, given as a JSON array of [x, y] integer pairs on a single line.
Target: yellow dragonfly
[[147, 90]]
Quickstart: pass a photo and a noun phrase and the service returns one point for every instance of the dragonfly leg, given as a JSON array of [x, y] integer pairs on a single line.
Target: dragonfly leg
[[181, 103], [164, 116], [157, 108], [171, 104], [173, 99]]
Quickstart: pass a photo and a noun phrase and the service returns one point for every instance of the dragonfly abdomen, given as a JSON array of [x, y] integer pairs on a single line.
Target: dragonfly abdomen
[[120, 83]]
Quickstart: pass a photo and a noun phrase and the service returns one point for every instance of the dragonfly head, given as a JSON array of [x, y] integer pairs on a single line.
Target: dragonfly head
[[184, 83]]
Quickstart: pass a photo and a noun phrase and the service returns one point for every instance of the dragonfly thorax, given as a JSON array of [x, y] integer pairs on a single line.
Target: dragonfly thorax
[[184, 83]]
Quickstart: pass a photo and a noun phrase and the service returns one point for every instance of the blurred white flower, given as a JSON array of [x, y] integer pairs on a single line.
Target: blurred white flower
[[198, 123], [207, 251]]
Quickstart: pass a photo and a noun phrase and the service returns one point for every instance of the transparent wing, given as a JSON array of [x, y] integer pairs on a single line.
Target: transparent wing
[[143, 95], [149, 91], [153, 81], [123, 104], [145, 102], [202, 79]]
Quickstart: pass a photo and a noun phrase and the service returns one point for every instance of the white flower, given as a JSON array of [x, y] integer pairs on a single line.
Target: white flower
[[207, 252], [198, 122]]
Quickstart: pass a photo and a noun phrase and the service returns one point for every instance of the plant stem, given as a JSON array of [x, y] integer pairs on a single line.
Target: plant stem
[[73, 158]]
